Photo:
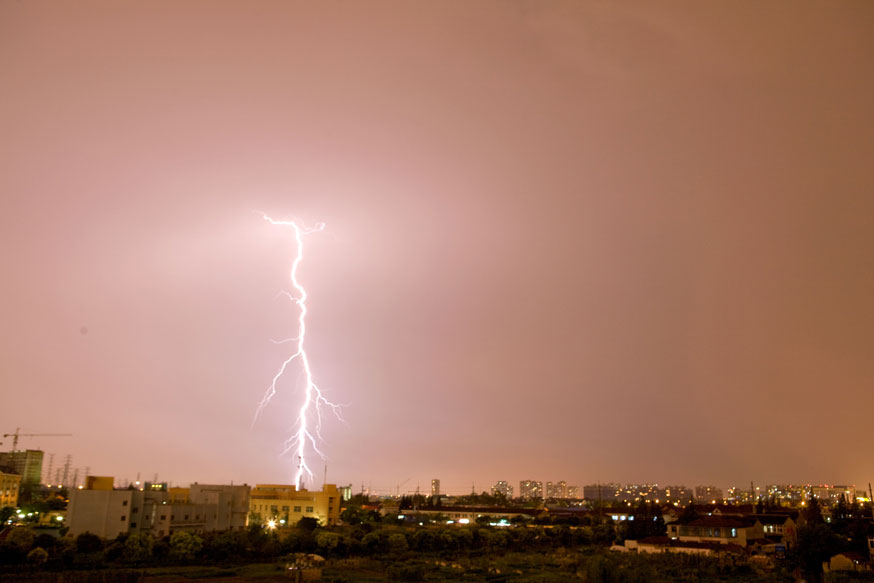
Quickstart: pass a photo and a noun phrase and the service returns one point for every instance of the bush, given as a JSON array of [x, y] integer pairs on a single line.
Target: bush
[[184, 545], [397, 543], [406, 571], [138, 547], [327, 542], [88, 543], [38, 556], [21, 539]]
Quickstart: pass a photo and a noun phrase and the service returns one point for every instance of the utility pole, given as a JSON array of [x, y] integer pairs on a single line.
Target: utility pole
[[67, 462], [49, 469]]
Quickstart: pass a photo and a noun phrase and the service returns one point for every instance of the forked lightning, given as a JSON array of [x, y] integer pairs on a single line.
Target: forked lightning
[[313, 400]]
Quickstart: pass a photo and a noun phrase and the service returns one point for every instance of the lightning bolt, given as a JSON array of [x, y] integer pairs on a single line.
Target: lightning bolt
[[307, 431]]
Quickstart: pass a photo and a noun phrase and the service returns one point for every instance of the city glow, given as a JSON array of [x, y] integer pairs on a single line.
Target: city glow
[[313, 400]]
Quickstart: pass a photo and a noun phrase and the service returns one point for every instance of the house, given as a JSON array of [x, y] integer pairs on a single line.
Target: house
[[717, 529], [848, 561], [664, 544]]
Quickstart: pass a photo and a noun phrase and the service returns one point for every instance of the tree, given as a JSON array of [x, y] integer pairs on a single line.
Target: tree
[[138, 547], [184, 545], [816, 545], [20, 539], [812, 513], [308, 523], [397, 543], [327, 542], [88, 543]]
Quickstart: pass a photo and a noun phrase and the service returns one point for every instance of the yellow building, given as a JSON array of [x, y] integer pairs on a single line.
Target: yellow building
[[9, 485], [179, 495], [104, 483], [285, 504]]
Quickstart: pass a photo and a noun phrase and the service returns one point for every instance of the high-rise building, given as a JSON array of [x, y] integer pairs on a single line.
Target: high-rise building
[[708, 494], [503, 488], [435, 487], [557, 490], [529, 489], [601, 492], [26, 463]]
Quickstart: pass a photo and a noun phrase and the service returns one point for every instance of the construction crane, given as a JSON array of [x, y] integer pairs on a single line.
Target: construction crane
[[18, 434]]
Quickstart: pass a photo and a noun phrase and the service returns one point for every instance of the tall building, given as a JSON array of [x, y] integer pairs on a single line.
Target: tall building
[[557, 490], [435, 487], [708, 493], [530, 489], [834, 494], [601, 492], [285, 504], [26, 463], [503, 488]]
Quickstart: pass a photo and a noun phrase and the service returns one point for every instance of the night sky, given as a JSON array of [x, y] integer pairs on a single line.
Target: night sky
[[590, 241]]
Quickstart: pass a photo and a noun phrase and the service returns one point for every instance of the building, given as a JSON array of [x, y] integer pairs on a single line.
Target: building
[[710, 494], [9, 485], [26, 463], [557, 490], [664, 544], [679, 494], [435, 487], [470, 514], [573, 492], [717, 529], [601, 492], [502, 488], [100, 509], [529, 489], [232, 501], [834, 494], [285, 504]]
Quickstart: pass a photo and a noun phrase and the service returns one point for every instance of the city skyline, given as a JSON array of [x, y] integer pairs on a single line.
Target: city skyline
[[570, 241]]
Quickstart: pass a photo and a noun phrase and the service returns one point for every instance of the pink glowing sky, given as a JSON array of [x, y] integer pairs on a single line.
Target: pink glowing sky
[[626, 241]]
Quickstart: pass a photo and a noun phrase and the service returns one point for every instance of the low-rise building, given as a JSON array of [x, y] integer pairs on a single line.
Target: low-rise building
[[470, 514], [9, 486], [847, 561], [100, 509], [717, 529], [664, 544], [285, 504]]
